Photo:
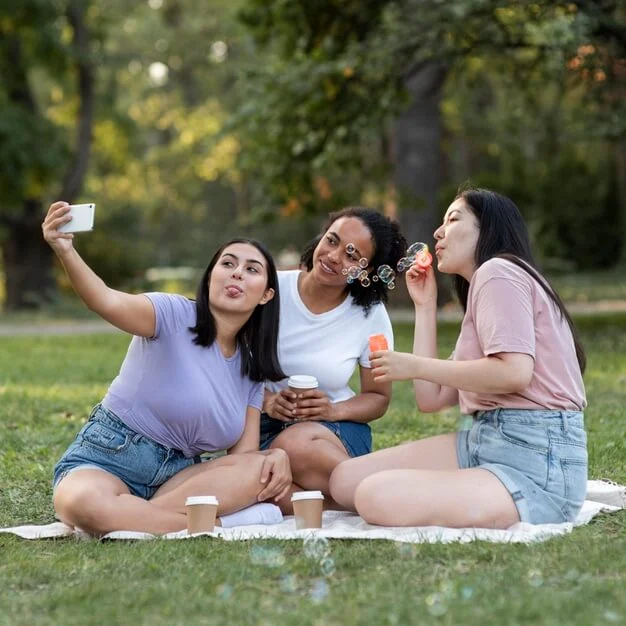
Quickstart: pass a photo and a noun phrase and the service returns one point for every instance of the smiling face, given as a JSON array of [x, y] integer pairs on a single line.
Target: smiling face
[[238, 281], [331, 257], [456, 240]]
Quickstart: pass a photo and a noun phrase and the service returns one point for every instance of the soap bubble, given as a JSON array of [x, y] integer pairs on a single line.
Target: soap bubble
[[272, 557], [316, 547], [319, 591], [350, 248], [391, 285], [289, 583], [354, 271], [535, 577], [365, 282], [327, 566], [375, 278], [386, 274], [415, 248], [224, 592], [436, 605], [344, 271], [406, 550], [363, 262]]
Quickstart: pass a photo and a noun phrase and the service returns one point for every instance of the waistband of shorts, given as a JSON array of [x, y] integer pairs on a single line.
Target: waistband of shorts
[[528, 416], [104, 415]]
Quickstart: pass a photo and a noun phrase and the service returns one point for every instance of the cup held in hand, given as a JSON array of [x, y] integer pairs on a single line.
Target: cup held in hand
[[201, 513], [302, 382], [307, 509]]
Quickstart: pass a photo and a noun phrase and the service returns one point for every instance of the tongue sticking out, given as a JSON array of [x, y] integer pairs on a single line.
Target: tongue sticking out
[[233, 292]]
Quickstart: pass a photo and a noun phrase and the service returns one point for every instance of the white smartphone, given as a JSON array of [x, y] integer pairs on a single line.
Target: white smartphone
[[82, 219]]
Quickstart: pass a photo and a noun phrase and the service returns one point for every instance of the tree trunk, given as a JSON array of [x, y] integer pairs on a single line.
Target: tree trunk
[[418, 160], [28, 261], [27, 258]]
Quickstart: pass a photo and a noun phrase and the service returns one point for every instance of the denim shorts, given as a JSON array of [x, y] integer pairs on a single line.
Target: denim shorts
[[106, 443], [355, 436], [540, 456]]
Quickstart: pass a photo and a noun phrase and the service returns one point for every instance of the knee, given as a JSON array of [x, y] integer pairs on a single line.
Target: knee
[[370, 502], [78, 506], [342, 485], [300, 448]]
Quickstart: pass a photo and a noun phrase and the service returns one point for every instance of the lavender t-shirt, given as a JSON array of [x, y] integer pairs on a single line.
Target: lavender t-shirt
[[509, 311], [181, 395]]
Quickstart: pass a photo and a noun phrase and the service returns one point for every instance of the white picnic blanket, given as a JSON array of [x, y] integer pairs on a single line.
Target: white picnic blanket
[[602, 496]]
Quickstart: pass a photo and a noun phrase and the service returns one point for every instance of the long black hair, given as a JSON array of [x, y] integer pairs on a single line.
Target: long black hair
[[258, 337], [389, 247], [503, 234]]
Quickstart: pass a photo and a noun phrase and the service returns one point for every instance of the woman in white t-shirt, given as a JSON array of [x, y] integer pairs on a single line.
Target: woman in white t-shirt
[[516, 370], [325, 324]]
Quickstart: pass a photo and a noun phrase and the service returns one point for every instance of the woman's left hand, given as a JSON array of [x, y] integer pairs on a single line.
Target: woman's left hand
[[388, 366], [313, 405], [276, 475]]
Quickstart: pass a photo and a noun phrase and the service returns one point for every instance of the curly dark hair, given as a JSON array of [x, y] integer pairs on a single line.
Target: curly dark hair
[[389, 247]]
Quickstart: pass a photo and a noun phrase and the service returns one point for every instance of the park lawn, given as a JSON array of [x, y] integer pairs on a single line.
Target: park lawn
[[49, 384]]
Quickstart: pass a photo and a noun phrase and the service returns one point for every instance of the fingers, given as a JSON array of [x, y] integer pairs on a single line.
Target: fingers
[[266, 470]]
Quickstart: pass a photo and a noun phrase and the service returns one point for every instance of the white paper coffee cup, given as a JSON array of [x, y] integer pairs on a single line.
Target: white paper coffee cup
[[307, 508], [201, 514]]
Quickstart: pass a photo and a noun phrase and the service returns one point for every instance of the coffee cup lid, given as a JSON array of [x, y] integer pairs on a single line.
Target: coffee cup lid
[[302, 381], [307, 495], [201, 500]]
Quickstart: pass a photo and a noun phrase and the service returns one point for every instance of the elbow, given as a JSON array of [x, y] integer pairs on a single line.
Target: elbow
[[425, 406]]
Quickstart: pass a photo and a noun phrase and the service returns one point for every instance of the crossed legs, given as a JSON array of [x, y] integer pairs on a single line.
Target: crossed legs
[[98, 502]]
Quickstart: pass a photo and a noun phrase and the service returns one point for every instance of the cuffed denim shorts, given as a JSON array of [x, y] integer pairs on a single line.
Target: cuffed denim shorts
[[540, 457], [106, 443], [355, 436]]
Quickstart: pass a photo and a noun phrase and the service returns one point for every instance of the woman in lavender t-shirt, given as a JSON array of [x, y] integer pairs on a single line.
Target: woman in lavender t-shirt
[[516, 370], [192, 381]]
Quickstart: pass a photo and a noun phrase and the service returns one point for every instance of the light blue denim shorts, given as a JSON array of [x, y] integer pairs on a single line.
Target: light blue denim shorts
[[106, 443], [540, 457]]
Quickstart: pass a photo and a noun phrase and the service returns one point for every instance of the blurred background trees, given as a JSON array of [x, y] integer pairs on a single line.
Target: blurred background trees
[[188, 122]]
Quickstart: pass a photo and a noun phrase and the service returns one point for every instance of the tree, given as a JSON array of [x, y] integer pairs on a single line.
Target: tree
[[343, 71], [39, 40]]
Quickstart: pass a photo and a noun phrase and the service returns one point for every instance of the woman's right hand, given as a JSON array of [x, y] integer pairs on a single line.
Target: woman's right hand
[[58, 214], [280, 405], [422, 285]]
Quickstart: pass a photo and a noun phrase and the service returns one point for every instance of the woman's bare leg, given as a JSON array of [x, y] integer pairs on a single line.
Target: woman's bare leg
[[472, 498], [437, 453], [234, 479], [314, 452], [98, 503]]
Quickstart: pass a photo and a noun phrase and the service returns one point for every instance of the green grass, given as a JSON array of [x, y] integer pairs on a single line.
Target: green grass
[[47, 388]]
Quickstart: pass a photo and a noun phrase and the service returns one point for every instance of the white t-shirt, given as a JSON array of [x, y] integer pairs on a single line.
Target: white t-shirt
[[327, 345]]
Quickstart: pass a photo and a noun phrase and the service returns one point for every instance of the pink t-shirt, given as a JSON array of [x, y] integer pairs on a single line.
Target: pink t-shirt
[[508, 311]]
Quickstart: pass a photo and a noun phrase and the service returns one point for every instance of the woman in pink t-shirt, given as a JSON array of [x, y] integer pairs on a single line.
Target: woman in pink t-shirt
[[516, 370]]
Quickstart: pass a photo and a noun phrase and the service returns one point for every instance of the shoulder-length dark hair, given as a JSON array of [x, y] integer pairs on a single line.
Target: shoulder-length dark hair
[[258, 337], [389, 247], [503, 234]]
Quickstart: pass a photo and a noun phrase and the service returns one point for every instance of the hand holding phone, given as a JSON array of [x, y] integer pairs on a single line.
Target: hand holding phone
[[82, 219]]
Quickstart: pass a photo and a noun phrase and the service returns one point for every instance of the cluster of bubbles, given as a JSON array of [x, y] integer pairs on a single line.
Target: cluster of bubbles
[[356, 272], [315, 548], [384, 273]]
